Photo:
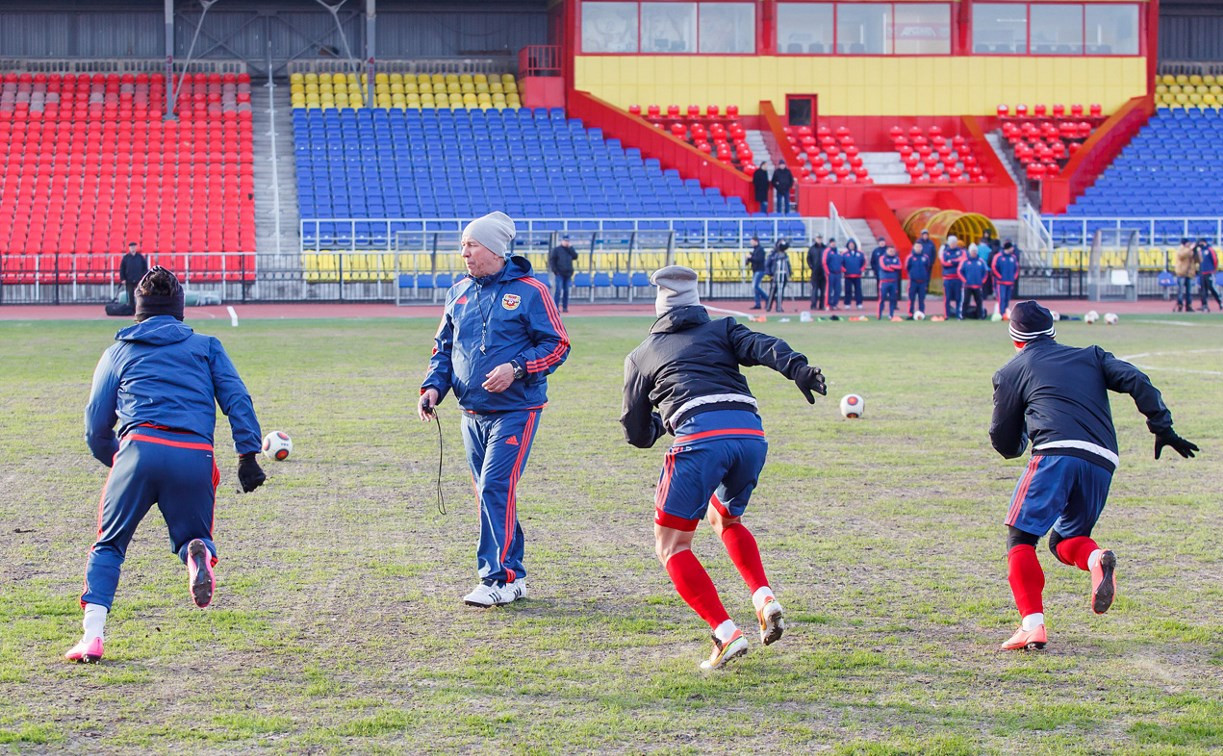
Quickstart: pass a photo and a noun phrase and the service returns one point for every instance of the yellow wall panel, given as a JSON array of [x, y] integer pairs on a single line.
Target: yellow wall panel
[[846, 85]]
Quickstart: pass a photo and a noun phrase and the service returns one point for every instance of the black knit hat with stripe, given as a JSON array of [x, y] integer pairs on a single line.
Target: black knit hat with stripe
[[1030, 321]]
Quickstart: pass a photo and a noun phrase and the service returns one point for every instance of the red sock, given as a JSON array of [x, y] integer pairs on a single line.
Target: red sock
[[1027, 579], [695, 587], [1076, 550], [741, 546]]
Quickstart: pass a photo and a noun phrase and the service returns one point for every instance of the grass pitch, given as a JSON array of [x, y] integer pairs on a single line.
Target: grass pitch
[[338, 623]]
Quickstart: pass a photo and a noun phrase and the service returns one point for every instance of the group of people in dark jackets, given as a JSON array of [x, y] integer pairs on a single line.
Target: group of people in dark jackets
[[781, 182]]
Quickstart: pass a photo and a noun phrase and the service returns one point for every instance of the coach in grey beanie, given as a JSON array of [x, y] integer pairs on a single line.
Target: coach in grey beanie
[[676, 288], [495, 231]]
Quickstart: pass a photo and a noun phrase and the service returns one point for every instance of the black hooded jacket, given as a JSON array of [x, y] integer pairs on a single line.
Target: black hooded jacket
[[1057, 395], [688, 356]]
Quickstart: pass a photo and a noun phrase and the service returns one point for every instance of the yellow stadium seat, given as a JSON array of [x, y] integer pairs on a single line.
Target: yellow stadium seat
[[454, 88], [437, 79], [480, 79], [467, 88], [465, 79], [507, 77], [439, 88], [511, 86], [382, 78], [1195, 79], [452, 78], [469, 100], [311, 77], [495, 86], [1210, 100], [397, 78], [1182, 79], [410, 87], [1168, 79]]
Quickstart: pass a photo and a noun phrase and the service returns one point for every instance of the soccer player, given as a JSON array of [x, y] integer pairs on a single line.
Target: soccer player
[[1208, 265], [684, 379], [918, 266], [889, 281], [833, 267], [1056, 397], [950, 257], [499, 339], [161, 383], [1005, 269]]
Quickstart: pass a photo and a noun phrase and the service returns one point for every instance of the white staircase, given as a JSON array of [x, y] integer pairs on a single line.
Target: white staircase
[[885, 167], [755, 140], [277, 237]]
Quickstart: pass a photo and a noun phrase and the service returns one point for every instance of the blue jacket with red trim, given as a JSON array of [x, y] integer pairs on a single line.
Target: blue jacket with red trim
[[1057, 396], [889, 269], [918, 266], [1210, 261], [950, 259], [1005, 267], [689, 365], [508, 316], [854, 262], [833, 261], [973, 271], [162, 373]]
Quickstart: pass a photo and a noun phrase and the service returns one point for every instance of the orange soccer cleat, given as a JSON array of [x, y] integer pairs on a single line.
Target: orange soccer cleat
[[1027, 640]]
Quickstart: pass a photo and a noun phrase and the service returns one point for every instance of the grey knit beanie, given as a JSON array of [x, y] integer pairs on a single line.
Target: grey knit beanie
[[676, 288], [495, 231]]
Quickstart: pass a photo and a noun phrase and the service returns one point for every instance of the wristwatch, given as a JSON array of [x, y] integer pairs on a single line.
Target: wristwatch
[[519, 371]]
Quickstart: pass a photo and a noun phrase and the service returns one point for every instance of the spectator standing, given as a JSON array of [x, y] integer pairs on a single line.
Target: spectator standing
[[132, 268], [783, 182], [986, 249], [1186, 269], [760, 185], [918, 266], [974, 273], [779, 271], [833, 268], [1208, 265], [756, 259], [927, 244], [1005, 271], [815, 263], [560, 265], [950, 257], [889, 281], [854, 262]]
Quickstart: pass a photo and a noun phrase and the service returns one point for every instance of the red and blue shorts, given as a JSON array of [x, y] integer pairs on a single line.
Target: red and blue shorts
[[715, 459], [1060, 492]]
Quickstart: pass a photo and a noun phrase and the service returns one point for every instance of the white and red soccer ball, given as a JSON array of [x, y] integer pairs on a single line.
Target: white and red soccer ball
[[852, 406], [278, 445]]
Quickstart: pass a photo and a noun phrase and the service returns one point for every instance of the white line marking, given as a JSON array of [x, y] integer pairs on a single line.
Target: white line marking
[[1178, 323], [1132, 357]]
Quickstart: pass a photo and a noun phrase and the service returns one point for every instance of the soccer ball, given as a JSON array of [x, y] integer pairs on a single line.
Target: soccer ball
[[1056, 315], [277, 445], [1110, 318], [996, 317], [919, 315], [1091, 317], [852, 406]]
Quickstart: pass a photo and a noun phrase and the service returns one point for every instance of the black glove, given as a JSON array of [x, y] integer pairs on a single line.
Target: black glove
[[809, 378], [1178, 444], [250, 474]]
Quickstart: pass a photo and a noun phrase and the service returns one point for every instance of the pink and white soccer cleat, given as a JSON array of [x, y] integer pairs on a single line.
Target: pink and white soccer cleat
[[1104, 582], [199, 573], [86, 652], [1027, 640]]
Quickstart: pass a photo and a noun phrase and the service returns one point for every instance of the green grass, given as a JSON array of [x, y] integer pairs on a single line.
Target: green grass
[[338, 624]]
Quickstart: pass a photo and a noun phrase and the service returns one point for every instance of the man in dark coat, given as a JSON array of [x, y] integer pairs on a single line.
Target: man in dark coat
[[1055, 398], [757, 259], [815, 263], [684, 379], [783, 182], [132, 268], [760, 184], [560, 265]]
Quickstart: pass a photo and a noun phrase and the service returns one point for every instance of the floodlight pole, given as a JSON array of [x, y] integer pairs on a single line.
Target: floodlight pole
[[169, 6], [371, 30]]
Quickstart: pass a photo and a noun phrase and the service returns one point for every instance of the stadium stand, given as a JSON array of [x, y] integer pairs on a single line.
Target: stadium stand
[[827, 156], [711, 132], [1189, 91], [1173, 168], [1044, 142], [328, 91], [87, 164], [930, 157]]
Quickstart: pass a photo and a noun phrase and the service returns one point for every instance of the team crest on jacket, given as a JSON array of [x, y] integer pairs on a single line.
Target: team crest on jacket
[[511, 301]]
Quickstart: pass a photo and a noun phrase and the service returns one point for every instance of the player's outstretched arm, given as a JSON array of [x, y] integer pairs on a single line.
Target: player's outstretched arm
[[1007, 428], [100, 412], [752, 348], [234, 400], [1122, 377], [642, 425]]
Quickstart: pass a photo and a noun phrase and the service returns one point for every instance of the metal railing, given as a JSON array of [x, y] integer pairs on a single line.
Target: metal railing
[[539, 60], [1079, 230], [1190, 67], [836, 227], [486, 65], [59, 278], [116, 65]]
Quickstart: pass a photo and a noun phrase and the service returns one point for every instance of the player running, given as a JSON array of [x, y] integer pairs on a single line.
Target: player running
[[688, 370], [1057, 397], [161, 383]]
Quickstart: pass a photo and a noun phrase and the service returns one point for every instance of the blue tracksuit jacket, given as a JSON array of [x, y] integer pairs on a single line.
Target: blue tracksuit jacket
[[506, 315], [918, 266], [854, 262], [160, 372], [950, 260], [974, 271], [1005, 267]]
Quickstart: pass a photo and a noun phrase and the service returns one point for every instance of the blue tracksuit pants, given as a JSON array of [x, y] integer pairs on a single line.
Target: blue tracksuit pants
[[834, 289], [1004, 295], [917, 296], [953, 297], [560, 291], [889, 292], [853, 290], [175, 471], [498, 445]]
